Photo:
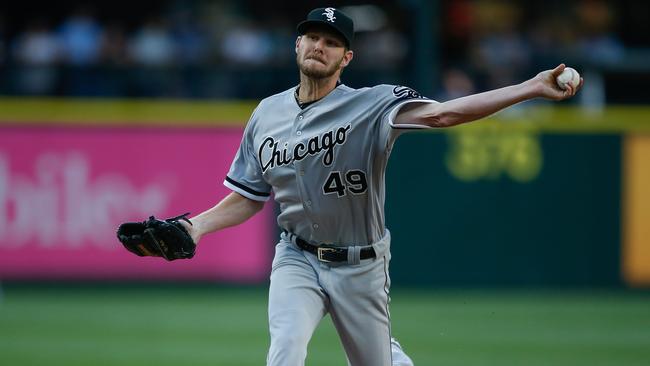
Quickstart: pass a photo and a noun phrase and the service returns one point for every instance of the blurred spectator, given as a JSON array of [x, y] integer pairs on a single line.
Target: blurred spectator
[[598, 43], [247, 44], [456, 83], [500, 51], [190, 40], [282, 37], [217, 17], [152, 45], [3, 45], [38, 51], [553, 38], [81, 38], [384, 48], [459, 20], [495, 42], [37, 45], [113, 50]]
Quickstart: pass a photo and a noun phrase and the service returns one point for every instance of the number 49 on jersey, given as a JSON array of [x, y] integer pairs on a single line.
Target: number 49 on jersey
[[353, 180]]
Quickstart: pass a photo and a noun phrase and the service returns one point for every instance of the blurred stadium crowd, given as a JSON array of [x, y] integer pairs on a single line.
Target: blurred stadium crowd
[[244, 49]]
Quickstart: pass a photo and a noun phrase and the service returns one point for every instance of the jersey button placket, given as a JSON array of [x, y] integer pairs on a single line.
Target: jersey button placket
[[297, 166]]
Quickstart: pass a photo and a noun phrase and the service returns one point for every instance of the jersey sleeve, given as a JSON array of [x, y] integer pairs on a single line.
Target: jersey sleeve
[[245, 175], [394, 98]]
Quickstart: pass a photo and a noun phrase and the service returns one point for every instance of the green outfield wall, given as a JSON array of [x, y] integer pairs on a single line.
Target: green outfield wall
[[543, 213], [539, 195]]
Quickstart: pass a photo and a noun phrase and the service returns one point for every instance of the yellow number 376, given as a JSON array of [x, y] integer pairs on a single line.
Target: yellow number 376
[[492, 151]]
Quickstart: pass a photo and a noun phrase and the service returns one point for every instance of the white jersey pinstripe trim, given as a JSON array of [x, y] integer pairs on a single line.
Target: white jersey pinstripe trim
[[407, 126], [246, 193]]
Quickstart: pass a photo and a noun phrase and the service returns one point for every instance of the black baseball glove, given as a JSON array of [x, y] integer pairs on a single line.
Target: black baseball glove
[[158, 238]]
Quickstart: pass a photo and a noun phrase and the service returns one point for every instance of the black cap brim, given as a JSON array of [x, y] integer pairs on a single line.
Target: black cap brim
[[304, 26]]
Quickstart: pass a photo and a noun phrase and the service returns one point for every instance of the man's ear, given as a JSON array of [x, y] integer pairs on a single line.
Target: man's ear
[[347, 58], [298, 43]]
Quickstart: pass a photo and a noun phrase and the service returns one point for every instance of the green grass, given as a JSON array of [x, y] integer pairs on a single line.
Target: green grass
[[216, 326]]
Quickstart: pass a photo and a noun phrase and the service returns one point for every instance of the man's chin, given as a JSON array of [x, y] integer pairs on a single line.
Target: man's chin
[[317, 72]]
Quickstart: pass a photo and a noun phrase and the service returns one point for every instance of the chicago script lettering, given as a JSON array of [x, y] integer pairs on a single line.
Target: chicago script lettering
[[271, 156]]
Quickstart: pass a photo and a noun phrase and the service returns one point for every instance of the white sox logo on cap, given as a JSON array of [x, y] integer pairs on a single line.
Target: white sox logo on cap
[[329, 13], [331, 17]]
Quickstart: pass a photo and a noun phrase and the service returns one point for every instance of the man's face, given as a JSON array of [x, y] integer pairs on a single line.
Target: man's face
[[321, 54]]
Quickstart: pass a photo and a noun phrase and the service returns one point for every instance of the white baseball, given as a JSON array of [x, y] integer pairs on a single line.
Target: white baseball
[[568, 77]]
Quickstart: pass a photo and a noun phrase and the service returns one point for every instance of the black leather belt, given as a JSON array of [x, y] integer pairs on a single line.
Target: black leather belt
[[326, 253]]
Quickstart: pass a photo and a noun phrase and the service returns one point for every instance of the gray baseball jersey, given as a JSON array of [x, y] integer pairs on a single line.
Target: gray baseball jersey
[[325, 163]]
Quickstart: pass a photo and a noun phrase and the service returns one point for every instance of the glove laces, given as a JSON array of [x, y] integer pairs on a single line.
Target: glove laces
[[182, 217]]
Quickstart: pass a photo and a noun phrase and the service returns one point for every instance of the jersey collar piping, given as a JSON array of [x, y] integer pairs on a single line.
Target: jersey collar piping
[[307, 104]]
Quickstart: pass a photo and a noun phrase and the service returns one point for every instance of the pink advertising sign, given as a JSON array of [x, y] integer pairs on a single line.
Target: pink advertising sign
[[64, 191]]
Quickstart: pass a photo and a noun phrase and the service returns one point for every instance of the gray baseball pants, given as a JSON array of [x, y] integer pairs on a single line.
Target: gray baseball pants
[[303, 290]]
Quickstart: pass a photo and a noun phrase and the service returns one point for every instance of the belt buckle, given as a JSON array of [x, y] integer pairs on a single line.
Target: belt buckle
[[321, 250]]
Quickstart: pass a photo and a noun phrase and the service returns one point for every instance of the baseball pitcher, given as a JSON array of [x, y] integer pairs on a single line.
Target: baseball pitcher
[[321, 149]]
